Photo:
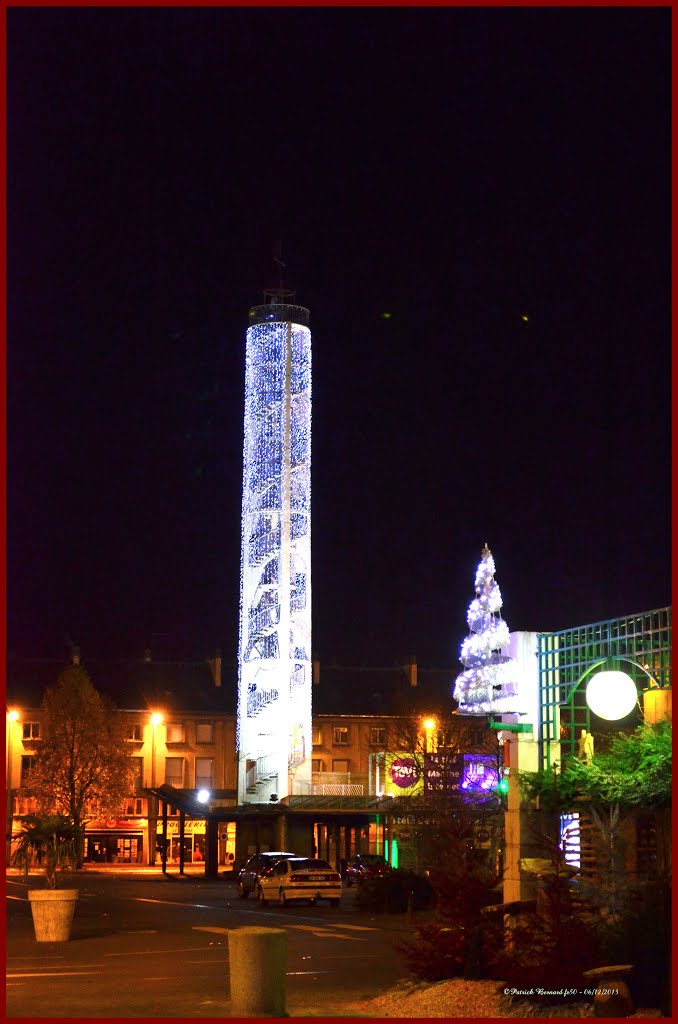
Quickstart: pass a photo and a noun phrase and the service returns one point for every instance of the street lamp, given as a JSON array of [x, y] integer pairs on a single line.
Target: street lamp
[[156, 720], [611, 695], [12, 717], [429, 725]]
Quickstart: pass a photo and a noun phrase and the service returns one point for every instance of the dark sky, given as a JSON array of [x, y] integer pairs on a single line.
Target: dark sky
[[458, 168]]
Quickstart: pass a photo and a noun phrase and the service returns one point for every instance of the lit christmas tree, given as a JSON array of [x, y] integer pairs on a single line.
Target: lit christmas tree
[[489, 682]]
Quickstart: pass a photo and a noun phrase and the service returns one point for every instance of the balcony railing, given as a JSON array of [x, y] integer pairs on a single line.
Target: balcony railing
[[332, 784], [266, 768]]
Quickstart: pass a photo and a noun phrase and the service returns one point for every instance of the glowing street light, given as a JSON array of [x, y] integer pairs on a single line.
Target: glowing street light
[[429, 725], [611, 695], [157, 718], [203, 796], [12, 717]]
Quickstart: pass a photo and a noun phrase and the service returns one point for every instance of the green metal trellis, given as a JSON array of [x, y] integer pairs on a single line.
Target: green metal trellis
[[566, 658]]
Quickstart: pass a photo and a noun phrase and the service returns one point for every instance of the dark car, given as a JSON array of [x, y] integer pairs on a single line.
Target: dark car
[[366, 865], [258, 865]]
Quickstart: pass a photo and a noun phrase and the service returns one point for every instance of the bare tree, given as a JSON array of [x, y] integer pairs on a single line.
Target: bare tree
[[82, 767]]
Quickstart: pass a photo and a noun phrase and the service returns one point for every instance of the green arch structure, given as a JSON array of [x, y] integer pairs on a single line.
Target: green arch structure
[[567, 657], [599, 663]]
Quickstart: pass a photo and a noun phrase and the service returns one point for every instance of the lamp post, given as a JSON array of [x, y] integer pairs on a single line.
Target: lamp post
[[156, 720], [429, 725], [12, 717]]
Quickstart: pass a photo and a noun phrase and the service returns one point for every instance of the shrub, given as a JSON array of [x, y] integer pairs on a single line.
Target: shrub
[[547, 954], [437, 952], [48, 841]]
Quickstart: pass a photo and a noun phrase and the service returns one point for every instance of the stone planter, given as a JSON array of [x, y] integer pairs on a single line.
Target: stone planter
[[53, 911]]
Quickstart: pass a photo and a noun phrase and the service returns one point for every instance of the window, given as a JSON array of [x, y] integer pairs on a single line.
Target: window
[[317, 765], [203, 772], [341, 766], [404, 740], [317, 736], [26, 764], [174, 771], [175, 732], [340, 735], [31, 731], [378, 736], [135, 807], [135, 732], [138, 765], [204, 732], [477, 737]]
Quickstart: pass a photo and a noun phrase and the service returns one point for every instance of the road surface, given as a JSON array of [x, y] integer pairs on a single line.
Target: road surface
[[148, 946]]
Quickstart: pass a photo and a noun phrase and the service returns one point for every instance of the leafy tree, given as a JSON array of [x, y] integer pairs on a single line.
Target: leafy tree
[[82, 768], [634, 772], [631, 918]]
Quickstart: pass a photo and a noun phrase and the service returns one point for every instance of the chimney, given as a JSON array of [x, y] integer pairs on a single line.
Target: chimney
[[412, 670], [316, 673], [215, 666]]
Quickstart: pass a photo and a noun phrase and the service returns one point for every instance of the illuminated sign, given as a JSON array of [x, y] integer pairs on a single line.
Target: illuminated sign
[[442, 772], [480, 773], [404, 772], [402, 775], [469, 773]]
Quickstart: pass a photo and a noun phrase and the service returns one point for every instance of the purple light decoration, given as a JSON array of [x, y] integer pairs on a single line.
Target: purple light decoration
[[480, 772]]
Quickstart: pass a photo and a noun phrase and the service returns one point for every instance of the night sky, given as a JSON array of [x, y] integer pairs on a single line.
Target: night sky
[[495, 179]]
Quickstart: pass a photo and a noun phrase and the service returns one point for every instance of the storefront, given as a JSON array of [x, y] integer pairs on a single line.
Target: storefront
[[114, 842], [194, 841]]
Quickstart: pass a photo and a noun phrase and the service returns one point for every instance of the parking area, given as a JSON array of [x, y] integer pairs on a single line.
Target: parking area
[[147, 945]]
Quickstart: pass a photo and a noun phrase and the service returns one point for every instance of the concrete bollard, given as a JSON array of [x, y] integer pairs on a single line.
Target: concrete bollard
[[257, 964]]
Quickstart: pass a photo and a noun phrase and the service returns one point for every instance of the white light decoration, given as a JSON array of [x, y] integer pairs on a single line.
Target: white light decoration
[[489, 682], [274, 693], [203, 796], [611, 695]]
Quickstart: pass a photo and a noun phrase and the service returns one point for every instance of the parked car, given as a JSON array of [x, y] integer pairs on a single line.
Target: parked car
[[364, 865], [300, 878], [258, 865]]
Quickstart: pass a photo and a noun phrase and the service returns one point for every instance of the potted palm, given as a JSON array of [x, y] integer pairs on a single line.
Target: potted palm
[[49, 842]]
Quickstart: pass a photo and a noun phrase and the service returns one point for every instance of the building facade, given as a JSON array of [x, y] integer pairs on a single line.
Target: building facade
[[183, 744]]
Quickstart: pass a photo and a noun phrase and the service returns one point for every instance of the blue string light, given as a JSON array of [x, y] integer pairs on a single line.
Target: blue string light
[[274, 694]]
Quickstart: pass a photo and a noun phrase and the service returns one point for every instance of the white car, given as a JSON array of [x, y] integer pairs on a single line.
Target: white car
[[300, 878]]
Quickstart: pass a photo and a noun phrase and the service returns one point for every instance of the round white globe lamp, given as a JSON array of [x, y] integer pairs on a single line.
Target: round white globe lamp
[[611, 695], [203, 796]]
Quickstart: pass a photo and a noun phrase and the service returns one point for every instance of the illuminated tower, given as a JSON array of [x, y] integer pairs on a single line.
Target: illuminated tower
[[274, 657]]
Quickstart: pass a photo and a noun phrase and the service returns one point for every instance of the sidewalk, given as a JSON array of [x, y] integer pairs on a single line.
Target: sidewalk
[[190, 871]]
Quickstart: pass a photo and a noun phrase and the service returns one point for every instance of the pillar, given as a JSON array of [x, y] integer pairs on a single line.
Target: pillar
[[280, 826], [519, 818], [211, 848], [257, 964]]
